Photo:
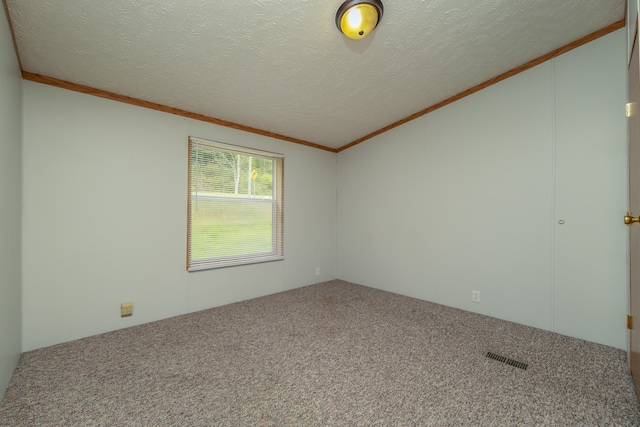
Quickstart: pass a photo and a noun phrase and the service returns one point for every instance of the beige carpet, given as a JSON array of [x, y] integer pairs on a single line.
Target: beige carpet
[[331, 354]]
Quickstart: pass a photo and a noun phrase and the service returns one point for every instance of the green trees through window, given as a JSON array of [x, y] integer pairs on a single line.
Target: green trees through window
[[229, 173]]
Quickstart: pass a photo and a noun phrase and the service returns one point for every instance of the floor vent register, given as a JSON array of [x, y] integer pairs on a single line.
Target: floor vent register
[[507, 361]]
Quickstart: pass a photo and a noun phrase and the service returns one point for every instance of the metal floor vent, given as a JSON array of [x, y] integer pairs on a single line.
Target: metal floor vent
[[508, 361]]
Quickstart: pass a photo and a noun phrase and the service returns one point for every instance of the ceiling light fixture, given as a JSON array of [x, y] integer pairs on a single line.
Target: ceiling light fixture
[[357, 18]]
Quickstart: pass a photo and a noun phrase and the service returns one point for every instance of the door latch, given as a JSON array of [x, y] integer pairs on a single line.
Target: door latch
[[628, 219]]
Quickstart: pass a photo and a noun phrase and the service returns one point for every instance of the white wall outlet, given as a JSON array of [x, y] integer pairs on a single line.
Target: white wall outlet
[[317, 271], [475, 296]]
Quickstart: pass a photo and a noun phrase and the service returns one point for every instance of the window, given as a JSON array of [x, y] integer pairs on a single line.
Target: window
[[235, 205]]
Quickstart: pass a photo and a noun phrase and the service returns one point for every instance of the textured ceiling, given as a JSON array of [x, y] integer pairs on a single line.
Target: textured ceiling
[[282, 66]]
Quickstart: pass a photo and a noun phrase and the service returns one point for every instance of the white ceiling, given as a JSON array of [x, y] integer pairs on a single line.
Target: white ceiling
[[282, 66]]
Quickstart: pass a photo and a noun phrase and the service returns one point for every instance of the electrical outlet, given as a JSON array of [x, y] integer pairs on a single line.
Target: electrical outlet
[[126, 309], [317, 271], [475, 296]]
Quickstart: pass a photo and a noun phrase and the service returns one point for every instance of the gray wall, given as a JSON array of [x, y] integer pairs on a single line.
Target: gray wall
[[105, 217], [10, 205], [469, 197]]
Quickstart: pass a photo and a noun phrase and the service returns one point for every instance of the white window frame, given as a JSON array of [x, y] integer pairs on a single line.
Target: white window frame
[[277, 201]]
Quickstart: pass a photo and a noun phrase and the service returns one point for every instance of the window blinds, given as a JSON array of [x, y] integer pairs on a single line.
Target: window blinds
[[235, 205]]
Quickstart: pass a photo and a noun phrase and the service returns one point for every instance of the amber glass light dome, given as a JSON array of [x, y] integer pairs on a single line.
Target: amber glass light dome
[[357, 18]]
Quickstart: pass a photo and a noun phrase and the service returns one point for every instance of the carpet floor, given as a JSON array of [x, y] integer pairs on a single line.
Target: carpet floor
[[332, 354]]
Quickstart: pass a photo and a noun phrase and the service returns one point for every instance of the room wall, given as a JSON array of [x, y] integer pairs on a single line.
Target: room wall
[[105, 217], [471, 196], [632, 14], [10, 205]]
